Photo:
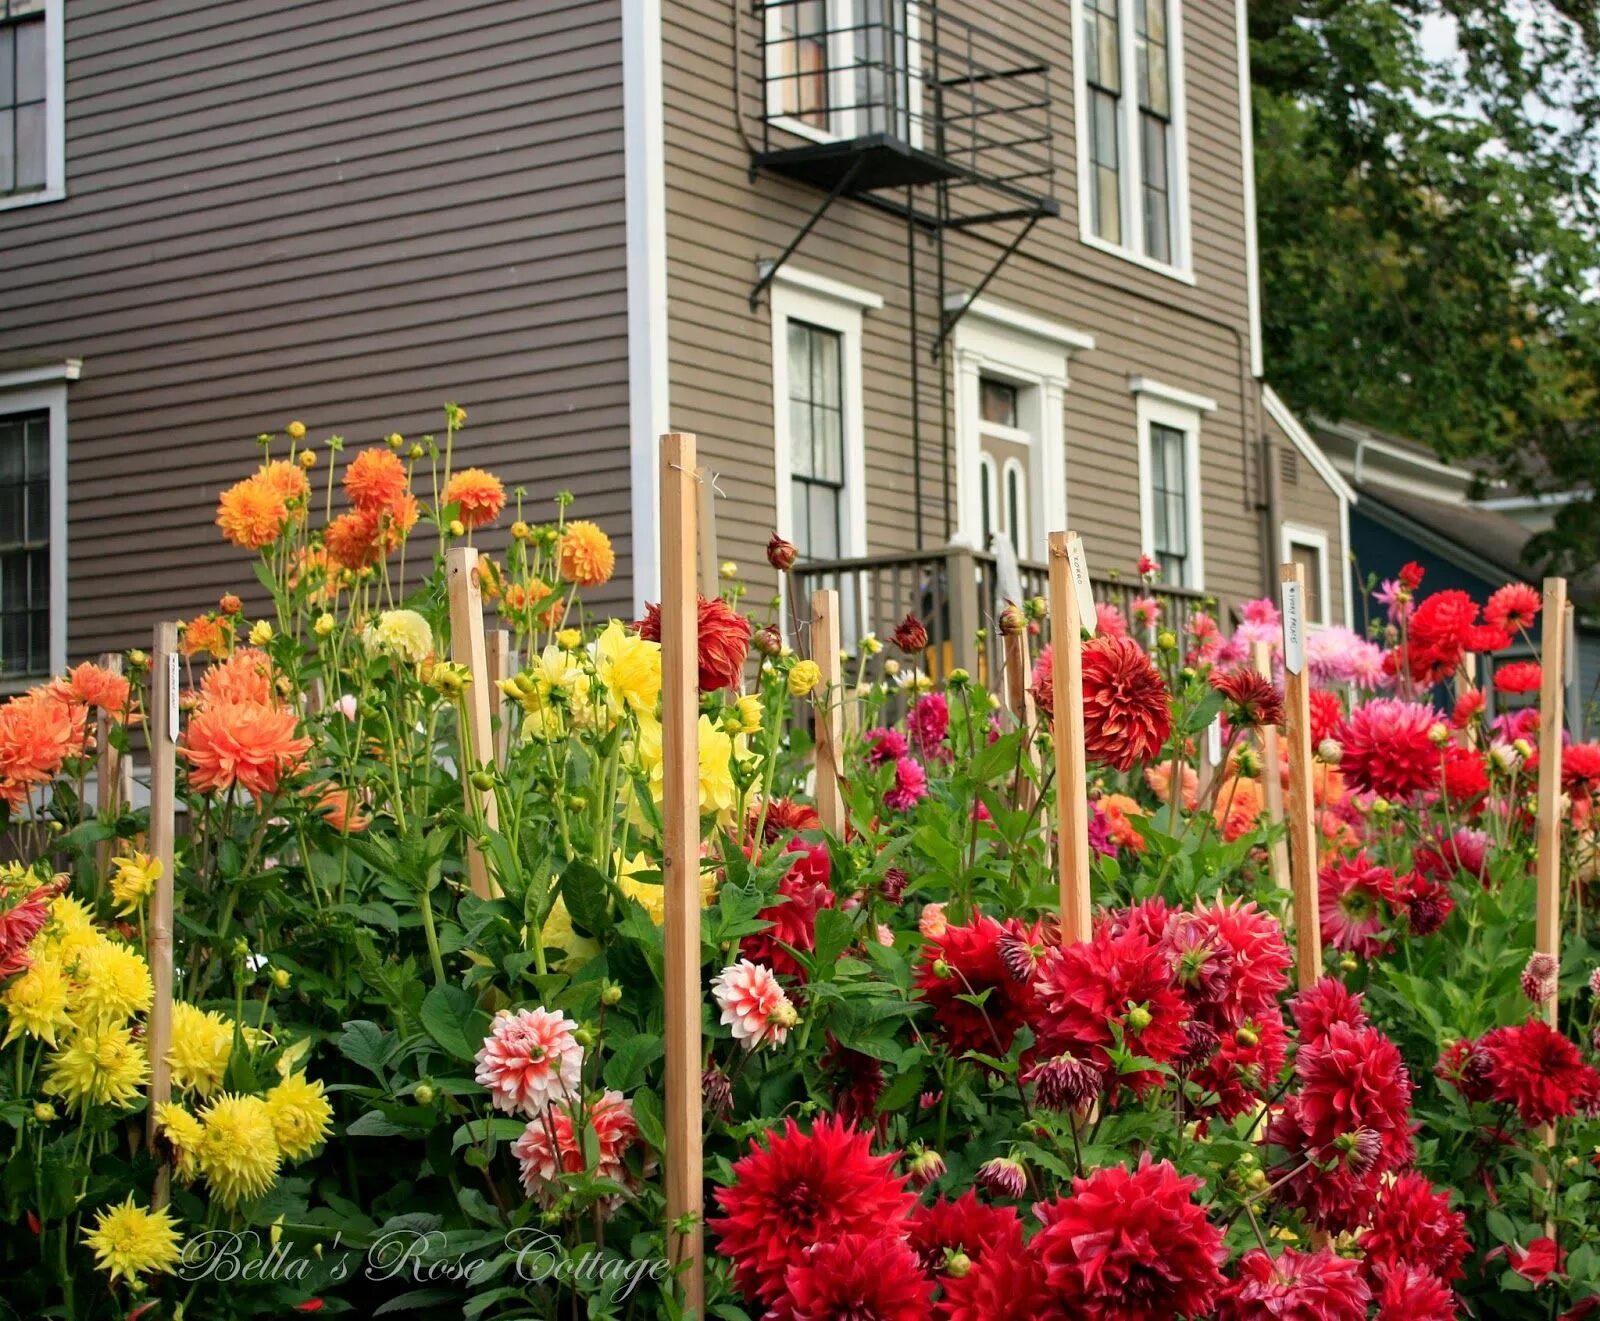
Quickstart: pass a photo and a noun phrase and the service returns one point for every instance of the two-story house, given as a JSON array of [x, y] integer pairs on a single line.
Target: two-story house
[[919, 275]]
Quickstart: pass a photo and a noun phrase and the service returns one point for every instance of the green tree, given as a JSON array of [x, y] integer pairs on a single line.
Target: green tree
[[1428, 223]]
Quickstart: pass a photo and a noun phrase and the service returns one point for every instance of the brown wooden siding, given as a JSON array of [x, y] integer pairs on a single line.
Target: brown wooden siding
[[1305, 498], [1192, 337], [346, 214]]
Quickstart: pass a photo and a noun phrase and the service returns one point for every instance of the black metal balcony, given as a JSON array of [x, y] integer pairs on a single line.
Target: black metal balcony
[[868, 95]]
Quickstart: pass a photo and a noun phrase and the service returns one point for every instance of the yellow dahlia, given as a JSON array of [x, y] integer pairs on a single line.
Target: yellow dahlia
[[100, 1064], [239, 1152], [403, 633], [133, 878], [130, 1241], [184, 1133], [586, 555], [301, 1115], [111, 981], [202, 1042], [69, 932], [630, 669], [36, 1003]]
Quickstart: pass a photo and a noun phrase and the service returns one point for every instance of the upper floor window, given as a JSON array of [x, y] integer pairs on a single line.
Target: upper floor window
[[1130, 114], [1171, 521], [32, 135], [843, 68]]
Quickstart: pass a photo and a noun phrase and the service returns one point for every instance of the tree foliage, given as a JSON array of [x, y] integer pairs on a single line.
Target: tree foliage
[[1428, 222]]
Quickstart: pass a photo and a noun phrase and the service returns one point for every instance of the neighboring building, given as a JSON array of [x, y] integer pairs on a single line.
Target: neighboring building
[[916, 274]]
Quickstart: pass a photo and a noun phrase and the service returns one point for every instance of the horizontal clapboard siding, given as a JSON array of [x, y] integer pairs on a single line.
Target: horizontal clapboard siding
[[346, 214]]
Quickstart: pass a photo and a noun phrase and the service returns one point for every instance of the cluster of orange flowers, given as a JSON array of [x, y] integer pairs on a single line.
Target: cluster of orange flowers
[[382, 511], [41, 729], [239, 734], [255, 512]]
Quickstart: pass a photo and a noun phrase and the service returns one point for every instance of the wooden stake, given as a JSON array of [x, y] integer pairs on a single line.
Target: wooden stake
[[108, 800], [1302, 793], [499, 656], [826, 701], [1466, 676], [1019, 701], [162, 733], [1272, 776], [1547, 830], [680, 715], [1072, 794], [467, 647]]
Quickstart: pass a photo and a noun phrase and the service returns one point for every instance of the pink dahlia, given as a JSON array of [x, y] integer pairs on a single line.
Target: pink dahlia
[[1131, 1245], [910, 786], [1354, 1078], [753, 1004], [870, 1274], [929, 723], [1353, 901], [1387, 748], [530, 1060], [551, 1146], [1295, 1286], [885, 745]]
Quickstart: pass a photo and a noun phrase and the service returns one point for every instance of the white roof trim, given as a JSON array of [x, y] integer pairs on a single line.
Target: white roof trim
[[1026, 323], [828, 287], [1172, 394], [1279, 412], [68, 369]]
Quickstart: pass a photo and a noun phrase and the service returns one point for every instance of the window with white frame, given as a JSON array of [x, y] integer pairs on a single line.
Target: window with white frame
[[1308, 547], [32, 102], [1132, 173], [843, 68], [1170, 510], [32, 532]]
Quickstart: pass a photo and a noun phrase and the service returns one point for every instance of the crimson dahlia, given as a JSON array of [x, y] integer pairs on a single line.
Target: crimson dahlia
[[1387, 748], [1409, 1294], [962, 1225], [854, 1277], [801, 893], [1295, 1286], [1324, 1003], [1413, 1226], [723, 637], [1352, 900], [1003, 1286], [967, 961], [1539, 1071]]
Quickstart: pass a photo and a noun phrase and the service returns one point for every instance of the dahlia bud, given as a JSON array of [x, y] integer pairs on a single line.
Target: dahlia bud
[[1003, 1176], [1020, 958], [1505, 757], [424, 1094], [44, 1112], [911, 636], [870, 646], [932, 923], [1247, 1036], [925, 1167], [957, 1264], [1540, 976], [929, 1100], [784, 1015], [281, 978], [482, 781], [307, 458], [1524, 748], [894, 882], [1166, 640], [1248, 761], [958, 679], [1349, 963], [260, 633], [296, 430], [1379, 807], [768, 641], [1256, 1181], [1037, 607], [781, 554], [941, 969], [394, 440], [804, 678], [1361, 1148], [1063, 1083], [728, 570], [1329, 751], [611, 994], [325, 624], [1200, 1042], [457, 528], [716, 1092], [1139, 1017], [1013, 623], [891, 667], [230, 604], [1439, 733], [584, 1037]]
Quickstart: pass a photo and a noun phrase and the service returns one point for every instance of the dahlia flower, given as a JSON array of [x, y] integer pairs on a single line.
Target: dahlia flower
[[961, 1224], [723, 641], [1250, 699], [1513, 608], [910, 635], [1537, 1070], [252, 513], [300, 1113], [1244, 1068], [1336, 655], [1295, 1286], [885, 745], [585, 554], [99, 1064], [804, 889], [870, 1274], [1413, 1225], [1258, 960], [202, 1044], [1409, 1294], [1001, 1286], [238, 1152], [1324, 1003], [929, 723], [855, 1083], [966, 963], [1353, 895], [376, 479], [1539, 977], [1438, 635], [129, 1240], [753, 1004], [910, 786], [244, 744], [529, 1061], [1519, 677], [478, 496], [551, 1146], [1126, 715], [245, 676], [1387, 748]]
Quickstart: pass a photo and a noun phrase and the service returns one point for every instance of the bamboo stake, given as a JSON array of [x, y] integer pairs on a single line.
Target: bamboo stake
[[1019, 701], [162, 732], [467, 648], [1272, 776], [1072, 794], [108, 770], [1301, 806], [825, 705], [499, 657], [1547, 830], [680, 713]]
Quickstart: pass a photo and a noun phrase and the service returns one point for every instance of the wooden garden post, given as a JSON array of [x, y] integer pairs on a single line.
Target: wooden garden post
[[468, 648], [1070, 604], [1272, 775], [826, 705], [1466, 676], [498, 645], [108, 799], [1547, 830], [1302, 793], [680, 715], [1019, 701], [162, 733]]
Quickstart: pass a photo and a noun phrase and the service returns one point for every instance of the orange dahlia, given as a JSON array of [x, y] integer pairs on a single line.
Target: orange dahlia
[[99, 687], [376, 479], [353, 539], [252, 513], [1238, 807], [340, 808], [586, 555], [39, 730], [246, 676], [242, 743], [289, 481], [477, 494], [206, 633]]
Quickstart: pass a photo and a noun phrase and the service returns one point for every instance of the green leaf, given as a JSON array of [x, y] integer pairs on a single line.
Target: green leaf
[[630, 1058], [588, 897], [475, 1131], [453, 1019], [374, 1124], [367, 1044], [647, 1114]]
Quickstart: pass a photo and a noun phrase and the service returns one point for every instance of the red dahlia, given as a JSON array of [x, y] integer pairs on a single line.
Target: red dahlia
[[1580, 769], [967, 961], [1090, 992], [1295, 1286], [911, 636], [1251, 699], [1387, 748], [724, 641], [1324, 1003], [1354, 1078], [1409, 1294], [1465, 1066], [1131, 1246], [1519, 677], [1326, 713], [855, 1083], [1258, 958], [1513, 607], [1353, 901], [785, 817], [1003, 1286], [1539, 1071], [803, 891], [1439, 634], [1413, 1225], [1126, 715], [868, 1276], [962, 1225], [1335, 1191], [800, 1190], [1246, 1065], [1465, 776]]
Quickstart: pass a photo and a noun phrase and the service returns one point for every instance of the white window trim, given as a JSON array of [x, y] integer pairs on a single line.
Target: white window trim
[[55, 112], [1298, 534], [50, 397], [1032, 353], [842, 314], [840, 21], [1128, 154], [1156, 404]]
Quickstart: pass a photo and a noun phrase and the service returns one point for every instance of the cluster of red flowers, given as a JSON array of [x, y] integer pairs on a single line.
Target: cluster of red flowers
[[723, 640], [1530, 1067], [1362, 903], [1127, 716]]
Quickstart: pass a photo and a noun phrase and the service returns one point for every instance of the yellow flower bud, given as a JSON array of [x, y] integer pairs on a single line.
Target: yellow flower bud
[[324, 625], [424, 1094], [804, 677], [394, 440], [281, 978], [307, 458], [457, 528], [569, 639], [44, 1112], [727, 570], [296, 430], [260, 633]]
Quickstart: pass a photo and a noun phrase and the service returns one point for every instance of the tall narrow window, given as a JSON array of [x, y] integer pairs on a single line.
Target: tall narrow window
[[24, 544], [1169, 492], [1155, 126], [1309, 558], [24, 97], [816, 439], [1102, 60], [801, 54], [1016, 509]]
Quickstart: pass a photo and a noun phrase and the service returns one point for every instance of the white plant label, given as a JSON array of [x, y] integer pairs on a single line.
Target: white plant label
[[1214, 742], [172, 696], [1079, 567], [1294, 627]]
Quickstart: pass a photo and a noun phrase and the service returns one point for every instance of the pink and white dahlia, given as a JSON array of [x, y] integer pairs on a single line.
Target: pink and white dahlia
[[753, 1004], [529, 1060], [550, 1146]]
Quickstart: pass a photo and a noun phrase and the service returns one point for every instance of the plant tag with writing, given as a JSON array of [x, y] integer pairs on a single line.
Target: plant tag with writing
[[172, 696], [1214, 742], [1079, 566], [1294, 627]]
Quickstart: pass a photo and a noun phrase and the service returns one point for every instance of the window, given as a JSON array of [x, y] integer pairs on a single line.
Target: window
[[799, 50], [998, 403], [1308, 547], [33, 522], [843, 68], [816, 438], [1170, 510], [1131, 166], [32, 119]]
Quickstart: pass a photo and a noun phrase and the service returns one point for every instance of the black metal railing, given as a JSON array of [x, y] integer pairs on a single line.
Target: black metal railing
[[898, 92]]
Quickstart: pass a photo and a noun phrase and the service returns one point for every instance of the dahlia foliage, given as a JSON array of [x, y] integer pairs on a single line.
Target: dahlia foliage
[[391, 1094]]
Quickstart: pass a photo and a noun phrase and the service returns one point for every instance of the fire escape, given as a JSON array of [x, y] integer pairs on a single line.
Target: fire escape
[[897, 105]]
